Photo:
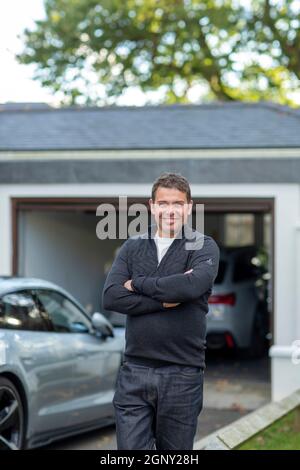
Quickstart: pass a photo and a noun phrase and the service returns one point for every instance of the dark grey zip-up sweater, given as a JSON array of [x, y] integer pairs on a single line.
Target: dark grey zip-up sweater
[[157, 335]]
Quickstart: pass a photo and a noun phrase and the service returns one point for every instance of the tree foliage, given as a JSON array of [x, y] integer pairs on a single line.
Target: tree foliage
[[92, 51]]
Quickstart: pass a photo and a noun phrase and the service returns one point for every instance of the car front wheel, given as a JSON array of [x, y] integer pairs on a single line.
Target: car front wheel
[[12, 426]]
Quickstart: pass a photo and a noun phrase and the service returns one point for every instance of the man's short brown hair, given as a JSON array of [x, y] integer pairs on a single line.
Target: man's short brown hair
[[172, 180]]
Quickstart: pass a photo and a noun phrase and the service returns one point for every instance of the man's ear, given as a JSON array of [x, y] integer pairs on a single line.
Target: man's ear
[[190, 206]]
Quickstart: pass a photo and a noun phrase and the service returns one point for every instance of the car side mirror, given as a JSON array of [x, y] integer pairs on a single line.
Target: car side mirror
[[101, 324]]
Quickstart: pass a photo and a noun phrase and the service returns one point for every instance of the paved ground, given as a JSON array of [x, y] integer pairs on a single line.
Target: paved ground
[[232, 388]]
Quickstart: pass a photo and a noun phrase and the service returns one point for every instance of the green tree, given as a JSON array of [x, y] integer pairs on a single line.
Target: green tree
[[272, 39], [91, 51]]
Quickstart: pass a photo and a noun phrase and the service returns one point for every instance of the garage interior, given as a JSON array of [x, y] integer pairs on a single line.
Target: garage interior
[[55, 239]]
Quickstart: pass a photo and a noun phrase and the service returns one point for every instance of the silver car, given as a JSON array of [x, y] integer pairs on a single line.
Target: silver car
[[239, 316], [58, 366]]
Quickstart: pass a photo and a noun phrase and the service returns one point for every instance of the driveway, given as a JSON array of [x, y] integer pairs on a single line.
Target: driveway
[[232, 388]]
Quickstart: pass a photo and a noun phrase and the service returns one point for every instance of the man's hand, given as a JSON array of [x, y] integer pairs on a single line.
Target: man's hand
[[189, 271], [128, 285], [169, 305]]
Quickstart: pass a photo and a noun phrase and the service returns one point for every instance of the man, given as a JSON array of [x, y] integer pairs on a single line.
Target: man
[[163, 288]]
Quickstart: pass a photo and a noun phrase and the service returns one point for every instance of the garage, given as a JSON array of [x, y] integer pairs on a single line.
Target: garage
[[55, 239], [246, 174]]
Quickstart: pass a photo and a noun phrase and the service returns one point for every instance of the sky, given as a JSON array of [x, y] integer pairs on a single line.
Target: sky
[[16, 82]]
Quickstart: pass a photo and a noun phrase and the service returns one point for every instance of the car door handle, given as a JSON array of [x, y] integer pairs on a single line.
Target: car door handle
[[27, 359]]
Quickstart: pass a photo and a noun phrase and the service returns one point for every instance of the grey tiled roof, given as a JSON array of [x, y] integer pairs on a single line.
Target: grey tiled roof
[[215, 125]]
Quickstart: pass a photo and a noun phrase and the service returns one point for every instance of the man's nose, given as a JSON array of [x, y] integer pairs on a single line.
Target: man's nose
[[171, 210]]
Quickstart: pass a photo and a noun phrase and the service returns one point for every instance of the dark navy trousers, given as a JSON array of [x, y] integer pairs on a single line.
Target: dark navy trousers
[[157, 407]]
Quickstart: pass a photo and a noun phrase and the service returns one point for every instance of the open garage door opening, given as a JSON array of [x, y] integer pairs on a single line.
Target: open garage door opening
[[55, 239], [241, 306]]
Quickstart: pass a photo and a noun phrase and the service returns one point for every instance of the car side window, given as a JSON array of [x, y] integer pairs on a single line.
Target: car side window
[[63, 314], [18, 311]]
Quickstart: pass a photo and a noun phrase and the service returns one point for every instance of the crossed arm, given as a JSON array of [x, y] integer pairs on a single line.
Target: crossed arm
[[115, 296], [151, 294]]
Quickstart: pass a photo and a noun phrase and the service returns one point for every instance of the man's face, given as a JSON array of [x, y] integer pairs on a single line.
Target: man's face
[[171, 210]]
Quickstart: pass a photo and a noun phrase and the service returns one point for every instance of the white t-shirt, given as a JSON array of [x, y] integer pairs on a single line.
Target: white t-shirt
[[162, 244]]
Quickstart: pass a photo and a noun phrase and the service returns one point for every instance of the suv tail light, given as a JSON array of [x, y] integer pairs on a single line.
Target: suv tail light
[[225, 299]]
